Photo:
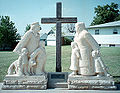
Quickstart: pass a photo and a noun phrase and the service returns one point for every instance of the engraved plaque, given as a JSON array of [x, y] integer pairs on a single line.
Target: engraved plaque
[[57, 76]]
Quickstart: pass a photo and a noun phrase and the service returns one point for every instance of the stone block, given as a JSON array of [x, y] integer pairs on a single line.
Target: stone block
[[25, 82], [40, 87], [90, 82], [13, 87], [9, 82]]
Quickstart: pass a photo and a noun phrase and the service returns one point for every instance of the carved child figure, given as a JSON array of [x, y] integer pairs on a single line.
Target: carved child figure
[[100, 67], [24, 61], [32, 63], [75, 59]]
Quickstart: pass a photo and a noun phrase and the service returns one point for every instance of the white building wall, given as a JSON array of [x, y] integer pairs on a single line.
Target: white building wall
[[108, 40], [104, 31], [104, 45], [51, 43], [117, 45]]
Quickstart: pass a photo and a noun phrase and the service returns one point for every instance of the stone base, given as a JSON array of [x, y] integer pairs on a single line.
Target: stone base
[[91, 82], [24, 82]]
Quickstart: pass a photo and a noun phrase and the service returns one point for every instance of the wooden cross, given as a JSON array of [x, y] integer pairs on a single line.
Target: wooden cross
[[58, 20]]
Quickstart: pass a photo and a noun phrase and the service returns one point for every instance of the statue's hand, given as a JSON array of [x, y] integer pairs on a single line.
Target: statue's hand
[[32, 62], [95, 53]]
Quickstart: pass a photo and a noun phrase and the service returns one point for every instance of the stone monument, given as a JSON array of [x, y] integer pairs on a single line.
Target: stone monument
[[58, 79], [89, 71], [27, 72]]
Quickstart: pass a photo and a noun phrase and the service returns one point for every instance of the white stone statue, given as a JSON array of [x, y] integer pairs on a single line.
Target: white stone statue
[[87, 46], [100, 67], [20, 66], [36, 54], [42, 58], [75, 58], [13, 68], [23, 60], [32, 63]]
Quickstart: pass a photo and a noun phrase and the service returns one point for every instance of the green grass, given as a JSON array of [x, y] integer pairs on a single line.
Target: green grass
[[110, 56]]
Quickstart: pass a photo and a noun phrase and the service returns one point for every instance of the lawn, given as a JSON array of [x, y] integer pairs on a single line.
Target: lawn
[[110, 56]]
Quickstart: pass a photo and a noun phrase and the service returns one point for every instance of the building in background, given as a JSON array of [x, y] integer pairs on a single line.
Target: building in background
[[43, 37], [66, 39], [51, 40], [107, 35]]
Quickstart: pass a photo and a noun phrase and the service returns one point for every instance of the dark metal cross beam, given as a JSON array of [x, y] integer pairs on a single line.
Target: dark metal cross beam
[[58, 20]]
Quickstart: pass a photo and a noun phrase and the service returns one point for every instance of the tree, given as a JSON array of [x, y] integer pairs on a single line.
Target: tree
[[8, 33], [106, 13], [70, 28], [27, 28]]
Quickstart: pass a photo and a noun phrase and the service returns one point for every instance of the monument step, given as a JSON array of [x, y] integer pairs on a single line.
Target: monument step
[[58, 85], [24, 82], [91, 82]]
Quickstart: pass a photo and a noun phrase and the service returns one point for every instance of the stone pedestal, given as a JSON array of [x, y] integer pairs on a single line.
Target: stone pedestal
[[91, 82], [25, 82]]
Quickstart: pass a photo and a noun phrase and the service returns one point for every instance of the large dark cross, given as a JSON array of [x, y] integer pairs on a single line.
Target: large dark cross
[[58, 20]]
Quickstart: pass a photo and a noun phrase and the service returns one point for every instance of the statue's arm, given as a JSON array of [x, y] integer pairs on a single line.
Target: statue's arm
[[89, 38], [36, 52], [23, 42]]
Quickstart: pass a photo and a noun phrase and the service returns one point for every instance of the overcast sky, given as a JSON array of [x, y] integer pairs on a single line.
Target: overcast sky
[[23, 12]]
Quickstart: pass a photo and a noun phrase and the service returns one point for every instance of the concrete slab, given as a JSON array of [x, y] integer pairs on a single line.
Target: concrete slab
[[11, 82], [79, 82], [58, 90]]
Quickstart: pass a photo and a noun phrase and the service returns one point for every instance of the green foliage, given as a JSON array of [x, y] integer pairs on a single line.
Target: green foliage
[[106, 13], [8, 33], [70, 28], [27, 28], [67, 41]]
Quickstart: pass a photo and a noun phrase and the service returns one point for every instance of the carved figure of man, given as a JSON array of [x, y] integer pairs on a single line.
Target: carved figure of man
[[86, 44], [75, 57], [31, 41]]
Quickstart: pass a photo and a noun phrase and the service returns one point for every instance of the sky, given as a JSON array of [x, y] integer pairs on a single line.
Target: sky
[[23, 12]]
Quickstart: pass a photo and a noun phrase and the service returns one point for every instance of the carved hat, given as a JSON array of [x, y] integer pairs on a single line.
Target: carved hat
[[35, 24]]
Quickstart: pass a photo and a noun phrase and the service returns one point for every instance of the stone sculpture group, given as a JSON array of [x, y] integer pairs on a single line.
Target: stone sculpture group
[[32, 55], [85, 58], [28, 71], [89, 71]]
